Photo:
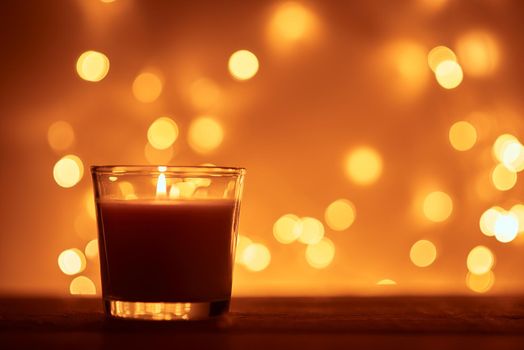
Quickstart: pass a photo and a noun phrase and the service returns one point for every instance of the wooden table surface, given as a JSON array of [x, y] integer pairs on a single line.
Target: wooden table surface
[[266, 323]]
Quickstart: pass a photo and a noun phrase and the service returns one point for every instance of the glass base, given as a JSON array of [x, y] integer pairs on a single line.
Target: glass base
[[147, 311]]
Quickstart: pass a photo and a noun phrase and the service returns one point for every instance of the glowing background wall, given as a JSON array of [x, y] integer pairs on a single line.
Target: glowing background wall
[[343, 105]]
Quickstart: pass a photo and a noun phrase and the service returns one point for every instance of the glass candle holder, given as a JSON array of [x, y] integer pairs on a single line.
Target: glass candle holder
[[167, 238]]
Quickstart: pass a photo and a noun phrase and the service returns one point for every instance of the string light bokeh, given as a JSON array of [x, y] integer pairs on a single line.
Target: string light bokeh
[[384, 152]]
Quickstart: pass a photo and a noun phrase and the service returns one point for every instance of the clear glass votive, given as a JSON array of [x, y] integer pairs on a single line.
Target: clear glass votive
[[167, 238]]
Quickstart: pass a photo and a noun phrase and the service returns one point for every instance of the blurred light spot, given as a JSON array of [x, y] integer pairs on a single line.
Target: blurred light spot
[[90, 204], [479, 53], [290, 23], [92, 66], [162, 133], [82, 285], [518, 211], [185, 189], [462, 136], [488, 220], [256, 257], [449, 74], [363, 165], [72, 261], [205, 134], [242, 243], [158, 156], [423, 253], [502, 178], [91, 249], [127, 189], [68, 171], [162, 168], [439, 54], [508, 150], [321, 254], [480, 260], [340, 214], [60, 135], [480, 283], [243, 65], [287, 228], [204, 94], [501, 145], [437, 206], [147, 87], [506, 227], [311, 230], [112, 178], [433, 5], [107, 1], [386, 282]]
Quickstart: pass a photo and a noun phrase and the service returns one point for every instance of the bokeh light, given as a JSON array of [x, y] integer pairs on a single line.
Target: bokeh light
[[68, 171], [60, 135], [91, 249], [340, 214], [488, 219], [162, 133], [204, 94], [256, 257], [386, 282], [518, 211], [480, 260], [423, 253], [506, 227], [127, 189], [437, 206], [287, 228], [449, 74], [92, 66], [462, 135], [243, 65], [502, 178], [363, 165], [205, 134], [71, 261], [439, 54], [321, 254], [508, 150], [479, 53], [82, 285], [242, 243], [291, 22], [311, 230], [147, 87], [480, 283]]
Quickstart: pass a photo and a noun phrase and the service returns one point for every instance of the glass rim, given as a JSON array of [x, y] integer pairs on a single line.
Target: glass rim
[[169, 169]]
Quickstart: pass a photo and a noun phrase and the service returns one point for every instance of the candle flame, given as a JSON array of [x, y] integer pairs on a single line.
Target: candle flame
[[161, 186]]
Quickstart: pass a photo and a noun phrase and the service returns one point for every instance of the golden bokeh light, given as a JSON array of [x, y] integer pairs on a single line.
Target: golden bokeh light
[[480, 260], [439, 54], [256, 257], [508, 150], [437, 206], [291, 22], [60, 135], [311, 230], [321, 254], [386, 282], [162, 133], [480, 283], [243, 65], [287, 228], [518, 211], [501, 145], [68, 171], [147, 87], [127, 189], [506, 227], [82, 285], [72, 261], [205, 134], [363, 165], [502, 178], [242, 243], [449, 74], [479, 53], [92, 66], [91, 249], [462, 135], [488, 219], [340, 214], [423, 253], [204, 94], [158, 156]]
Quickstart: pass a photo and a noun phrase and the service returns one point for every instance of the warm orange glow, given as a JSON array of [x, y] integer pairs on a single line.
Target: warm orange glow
[[91, 249], [92, 66], [311, 230], [340, 214], [60, 135], [162, 133], [462, 136], [287, 228], [502, 178], [449, 74], [439, 54], [243, 65], [386, 282], [205, 134], [321, 254], [479, 53], [68, 171], [82, 285], [480, 260], [158, 156], [290, 23], [147, 87], [423, 253], [363, 165], [72, 261], [127, 189], [204, 94], [242, 243], [480, 283], [437, 206], [488, 219], [256, 257]]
